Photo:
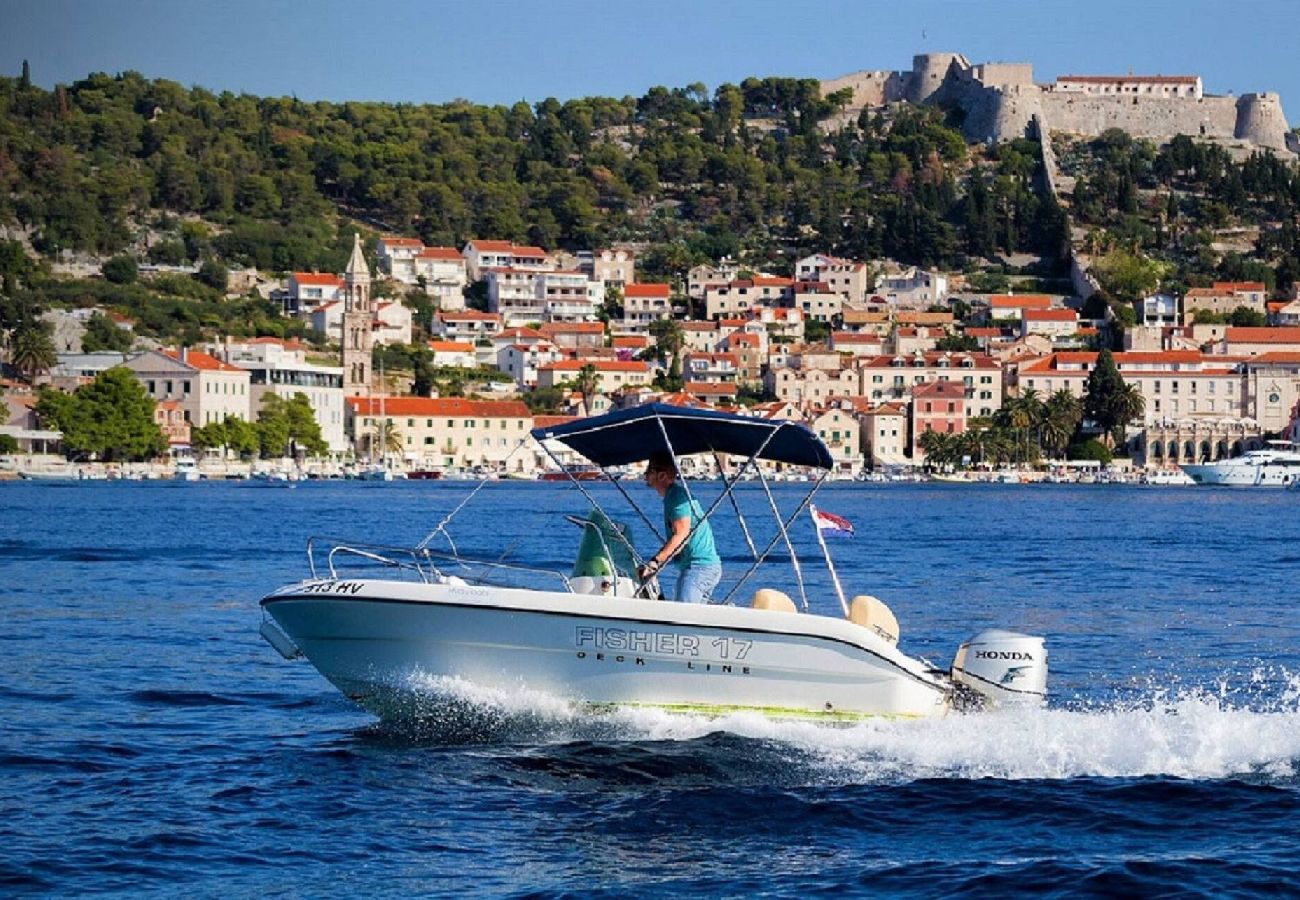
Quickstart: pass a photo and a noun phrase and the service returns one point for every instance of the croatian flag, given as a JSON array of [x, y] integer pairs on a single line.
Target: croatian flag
[[831, 525]]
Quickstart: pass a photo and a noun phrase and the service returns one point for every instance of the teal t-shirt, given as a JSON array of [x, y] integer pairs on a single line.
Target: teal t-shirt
[[699, 546]]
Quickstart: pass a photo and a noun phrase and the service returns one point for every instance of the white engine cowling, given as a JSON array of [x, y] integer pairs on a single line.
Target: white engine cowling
[[1004, 667]]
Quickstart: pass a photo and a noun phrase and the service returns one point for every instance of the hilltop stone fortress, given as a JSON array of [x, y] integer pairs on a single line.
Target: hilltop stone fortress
[[1002, 102]]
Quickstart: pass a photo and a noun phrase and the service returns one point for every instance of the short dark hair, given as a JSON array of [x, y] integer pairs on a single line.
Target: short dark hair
[[662, 462]]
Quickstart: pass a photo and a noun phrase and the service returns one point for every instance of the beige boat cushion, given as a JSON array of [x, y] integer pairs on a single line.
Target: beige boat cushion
[[871, 613], [769, 598]]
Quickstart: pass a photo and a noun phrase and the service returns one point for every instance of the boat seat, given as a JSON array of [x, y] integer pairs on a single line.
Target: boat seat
[[874, 615], [771, 599]]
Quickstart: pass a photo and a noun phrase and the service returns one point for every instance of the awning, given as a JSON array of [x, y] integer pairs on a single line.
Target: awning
[[632, 435]]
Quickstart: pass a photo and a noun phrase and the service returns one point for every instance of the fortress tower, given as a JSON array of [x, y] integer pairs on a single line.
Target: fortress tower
[[929, 70], [1260, 121], [357, 317]]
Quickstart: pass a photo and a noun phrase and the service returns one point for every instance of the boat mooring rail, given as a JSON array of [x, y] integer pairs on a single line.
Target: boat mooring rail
[[428, 566]]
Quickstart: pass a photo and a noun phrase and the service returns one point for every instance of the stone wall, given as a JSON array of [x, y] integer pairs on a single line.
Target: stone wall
[[1214, 117]]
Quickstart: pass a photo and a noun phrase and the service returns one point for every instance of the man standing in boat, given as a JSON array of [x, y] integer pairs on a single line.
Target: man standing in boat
[[690, 538]]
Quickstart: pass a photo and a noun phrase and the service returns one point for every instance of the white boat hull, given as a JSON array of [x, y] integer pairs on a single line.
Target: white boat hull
[[384, 644], [1239, 475]]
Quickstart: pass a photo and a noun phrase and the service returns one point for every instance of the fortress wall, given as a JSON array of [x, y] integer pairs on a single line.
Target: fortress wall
[[870, 89], [1160, 117], [1004, 74]]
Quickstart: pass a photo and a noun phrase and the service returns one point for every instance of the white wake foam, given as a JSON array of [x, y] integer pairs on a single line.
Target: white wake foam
[[1192, 734]]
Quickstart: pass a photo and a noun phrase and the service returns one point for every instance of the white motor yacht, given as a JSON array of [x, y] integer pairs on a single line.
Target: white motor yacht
[[1276, 465], [408, 642]]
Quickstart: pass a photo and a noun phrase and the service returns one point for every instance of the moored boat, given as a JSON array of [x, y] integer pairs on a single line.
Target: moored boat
[[1276, 465]]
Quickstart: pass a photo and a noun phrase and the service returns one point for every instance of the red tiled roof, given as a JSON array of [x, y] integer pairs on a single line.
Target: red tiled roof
[[438, 406], [1277, 356], [573, 328], [451, 346], [492, 246], [553, 421], [632, 341], [1051, 315], [1130, 79], [853, 337], [469, 315], [1020, 301], [940, 389], [1240, 286], [316, 278], [601, 365], [704, 388], [646, 290], [450, 253], [391, 241], [199, 360], [1281, 335]]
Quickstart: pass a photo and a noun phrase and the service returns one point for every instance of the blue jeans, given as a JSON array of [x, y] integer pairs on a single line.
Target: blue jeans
[[696, 582]]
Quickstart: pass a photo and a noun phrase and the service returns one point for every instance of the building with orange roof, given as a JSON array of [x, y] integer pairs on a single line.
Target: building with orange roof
[[894, 377], [305, 291], [1004, 307], [937, 406], [521, 361], [737, 298], [465, 325], [1049, 322], [1175, 384], [453, 354], [206, 388], [1222, 301], [710, 368], [573, 335], [884, 432], [1244, 341], [446, 432], [646, 303], [612, 375], [480, 256]]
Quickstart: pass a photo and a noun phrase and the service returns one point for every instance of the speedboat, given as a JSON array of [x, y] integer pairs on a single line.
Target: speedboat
[[1277, 465], [411, 639]]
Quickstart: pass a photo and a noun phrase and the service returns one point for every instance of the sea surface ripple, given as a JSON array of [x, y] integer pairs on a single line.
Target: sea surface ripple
[[154, 744]]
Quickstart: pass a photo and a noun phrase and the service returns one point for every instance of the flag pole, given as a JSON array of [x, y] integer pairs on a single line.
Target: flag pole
[[835, 579]]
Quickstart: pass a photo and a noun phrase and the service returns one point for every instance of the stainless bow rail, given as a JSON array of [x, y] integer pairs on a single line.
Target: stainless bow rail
[[425, 565]]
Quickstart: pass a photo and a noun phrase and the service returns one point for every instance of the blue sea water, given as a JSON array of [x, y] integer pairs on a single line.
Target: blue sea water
[[152, 743]]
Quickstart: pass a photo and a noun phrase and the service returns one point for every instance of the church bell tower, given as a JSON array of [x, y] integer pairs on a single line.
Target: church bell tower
[[357, 317]]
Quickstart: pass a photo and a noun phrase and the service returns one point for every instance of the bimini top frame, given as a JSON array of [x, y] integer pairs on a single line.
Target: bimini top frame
[[634, 435]]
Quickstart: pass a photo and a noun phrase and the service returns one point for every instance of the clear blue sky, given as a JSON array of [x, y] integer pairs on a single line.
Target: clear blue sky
[[500, 51]]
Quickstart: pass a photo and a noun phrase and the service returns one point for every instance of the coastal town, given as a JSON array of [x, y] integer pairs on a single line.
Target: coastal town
[[869, 355]]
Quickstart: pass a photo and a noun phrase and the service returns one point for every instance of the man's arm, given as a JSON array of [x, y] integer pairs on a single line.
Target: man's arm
[[679, 530]]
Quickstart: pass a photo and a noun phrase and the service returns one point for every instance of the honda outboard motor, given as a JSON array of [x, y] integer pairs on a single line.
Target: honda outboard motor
[[1004, 668]]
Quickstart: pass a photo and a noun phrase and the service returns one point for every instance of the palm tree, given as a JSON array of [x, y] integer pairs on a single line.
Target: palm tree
[[1023, 413], [1062, 414], [939, 447], [587, 383], [670, 338], [32, 351], [1128, 404]]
